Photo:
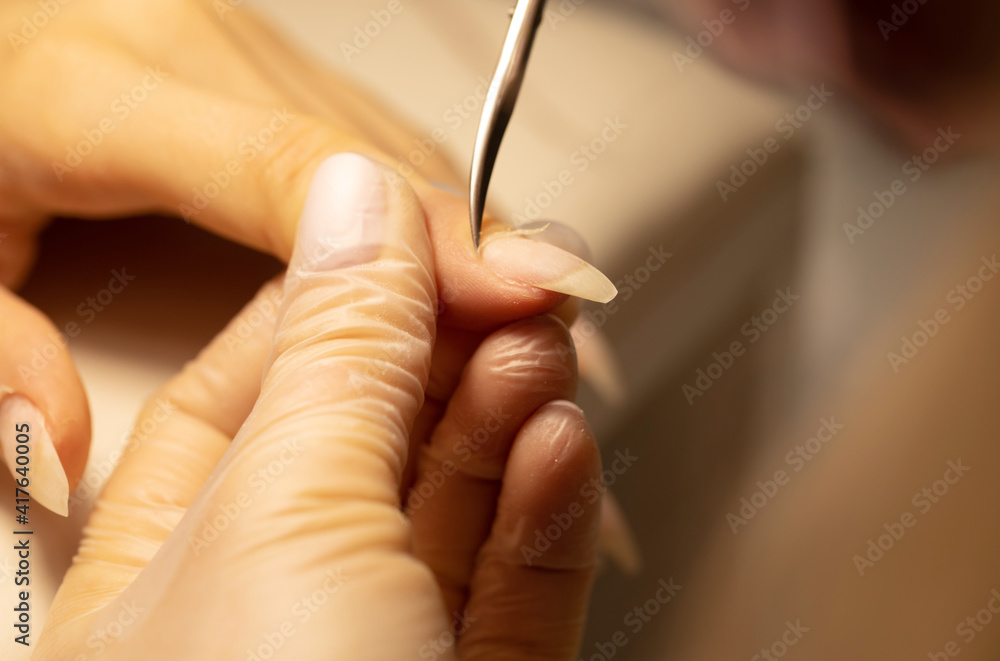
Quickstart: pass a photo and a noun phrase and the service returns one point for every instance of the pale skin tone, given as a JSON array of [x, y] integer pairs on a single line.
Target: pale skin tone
[[227, 85], [261, 514], [333, 521]]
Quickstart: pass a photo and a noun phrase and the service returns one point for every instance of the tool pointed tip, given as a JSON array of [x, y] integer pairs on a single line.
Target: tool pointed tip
[[475, 221]]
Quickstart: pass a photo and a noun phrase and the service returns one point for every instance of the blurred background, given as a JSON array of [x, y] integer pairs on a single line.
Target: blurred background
[[784, 194]]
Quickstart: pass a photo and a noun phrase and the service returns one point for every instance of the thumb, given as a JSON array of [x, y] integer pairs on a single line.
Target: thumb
[[352, 348], [329, 432]]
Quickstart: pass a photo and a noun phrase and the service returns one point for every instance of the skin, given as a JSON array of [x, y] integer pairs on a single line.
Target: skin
[[305, 472], [339, 506], [135, 170], [94, 52]]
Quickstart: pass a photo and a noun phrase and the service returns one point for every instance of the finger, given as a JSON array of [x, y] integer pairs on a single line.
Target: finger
[[177, 441], [516, 273], [247, 169], [43, 407], [315, 86], [452, 351], [530, 592], [18, 248], [514, 372], [352, 349], [456, 345], [339, 398], [389, 133]]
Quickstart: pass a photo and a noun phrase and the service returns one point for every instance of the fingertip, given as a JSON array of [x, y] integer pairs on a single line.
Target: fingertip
[[473, 296], [30, 454], [18, 249], [39, 386], [533, 577], [555, 474]]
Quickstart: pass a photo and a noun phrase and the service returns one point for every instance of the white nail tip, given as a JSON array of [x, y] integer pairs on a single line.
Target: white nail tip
[[519, 259], [48, 484]]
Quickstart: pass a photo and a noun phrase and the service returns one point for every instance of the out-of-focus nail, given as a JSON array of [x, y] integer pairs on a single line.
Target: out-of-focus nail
[[516, 257], [22, 424], [597, 362], [447, 188], [617, 540], [343, 221]]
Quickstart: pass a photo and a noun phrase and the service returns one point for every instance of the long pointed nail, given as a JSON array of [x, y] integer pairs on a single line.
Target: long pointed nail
[[516, 257], [47, 483], [616, 537], [597, 362]]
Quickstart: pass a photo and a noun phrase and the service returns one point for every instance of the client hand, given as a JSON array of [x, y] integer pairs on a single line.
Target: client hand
[[264, 519], [123, 107]]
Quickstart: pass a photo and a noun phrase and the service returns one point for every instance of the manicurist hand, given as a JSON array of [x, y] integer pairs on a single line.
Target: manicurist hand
[[126, 107], [276, 518]]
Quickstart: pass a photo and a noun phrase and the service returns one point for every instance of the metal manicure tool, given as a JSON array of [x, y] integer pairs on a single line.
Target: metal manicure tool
[[499, 106]]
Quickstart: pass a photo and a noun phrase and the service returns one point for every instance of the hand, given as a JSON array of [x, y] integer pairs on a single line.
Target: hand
[[108, 116], [260, 521]]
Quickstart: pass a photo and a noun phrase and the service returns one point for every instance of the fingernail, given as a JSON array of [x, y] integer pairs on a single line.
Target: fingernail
[[20, 420], [446, 188], [617, 540], [343, 220], [597, 362], [517, 257]]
